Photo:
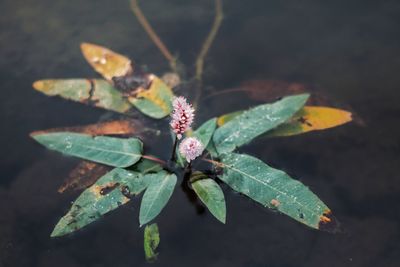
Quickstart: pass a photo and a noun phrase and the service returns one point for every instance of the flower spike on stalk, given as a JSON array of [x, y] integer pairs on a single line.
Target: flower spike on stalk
[[191, 148], [182, 116]]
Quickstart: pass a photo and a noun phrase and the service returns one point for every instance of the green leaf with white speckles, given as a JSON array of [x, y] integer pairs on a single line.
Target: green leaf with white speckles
[[107, 194], [159, 191], [256, 121], [274, 189], [116, 152], [211, 195]]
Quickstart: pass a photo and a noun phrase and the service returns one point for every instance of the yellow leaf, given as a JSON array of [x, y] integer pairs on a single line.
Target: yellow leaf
[[106, 62], [312, 118], [156, 101]]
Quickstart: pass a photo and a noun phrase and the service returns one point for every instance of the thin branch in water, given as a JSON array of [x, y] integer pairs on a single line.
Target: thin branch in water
[[153, 35], [209, 40]]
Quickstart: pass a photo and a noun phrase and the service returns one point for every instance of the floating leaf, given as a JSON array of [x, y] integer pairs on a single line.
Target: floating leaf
[[117, 152], [205, 131], [210, 194], [307, 119], [93, 92], [156, 101], [145, 166], [311, 119], [108, 193], [83, 176], [117, 127], [274, 189], [151, 242], [223, 119], [159, 191], [256, 121], [106, 62]]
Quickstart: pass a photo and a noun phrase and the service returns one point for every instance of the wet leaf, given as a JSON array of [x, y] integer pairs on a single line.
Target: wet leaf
[[311, 119], [256, 121], [274, 189], [210, 194], [156, 101], [106, 62], [116, 152], [159, 191], [117, 127], [307, 119], [205, 132], [145, 166], [151, 242], [83, 176], [108, 193], [93, 92]]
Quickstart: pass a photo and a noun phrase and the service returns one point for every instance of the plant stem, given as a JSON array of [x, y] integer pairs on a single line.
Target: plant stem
[[153, 35], [173, 156]]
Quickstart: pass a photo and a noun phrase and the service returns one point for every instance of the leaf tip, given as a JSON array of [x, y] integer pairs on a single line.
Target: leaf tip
[[39, 85], [329, 223]]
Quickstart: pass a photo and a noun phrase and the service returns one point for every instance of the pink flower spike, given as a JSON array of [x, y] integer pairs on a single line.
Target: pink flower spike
[[182, 116], [191, 148]]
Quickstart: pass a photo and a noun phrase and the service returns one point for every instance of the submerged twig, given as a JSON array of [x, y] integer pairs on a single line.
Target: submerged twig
[[153, 35], [209, 40]]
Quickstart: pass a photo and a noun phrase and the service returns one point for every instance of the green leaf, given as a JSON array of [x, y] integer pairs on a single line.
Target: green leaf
[[94, 92], [256, 121], [151, 242], [274, 189], [156, 101], [211, 195], [108, 193], [159, 191], [145, 166], [203, 133], [206, 131], [117, 152]]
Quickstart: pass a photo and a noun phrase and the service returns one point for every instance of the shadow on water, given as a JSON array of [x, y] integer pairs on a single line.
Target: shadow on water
[[347, 50]]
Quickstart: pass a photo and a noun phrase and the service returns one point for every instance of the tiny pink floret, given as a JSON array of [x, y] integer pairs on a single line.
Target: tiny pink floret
[[191, 148], [182, 116]]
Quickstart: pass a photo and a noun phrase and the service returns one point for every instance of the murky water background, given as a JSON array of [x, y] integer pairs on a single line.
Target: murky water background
[[349, 50]]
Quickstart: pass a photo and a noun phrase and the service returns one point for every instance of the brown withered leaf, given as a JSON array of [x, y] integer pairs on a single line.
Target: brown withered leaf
[[271, 90], [117, 127], [83, 175]]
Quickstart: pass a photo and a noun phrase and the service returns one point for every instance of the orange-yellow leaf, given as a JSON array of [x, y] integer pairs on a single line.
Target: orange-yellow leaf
[[106, 62], [312, 118]]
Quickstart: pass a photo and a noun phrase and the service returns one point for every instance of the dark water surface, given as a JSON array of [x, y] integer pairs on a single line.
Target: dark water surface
[[349, 50]]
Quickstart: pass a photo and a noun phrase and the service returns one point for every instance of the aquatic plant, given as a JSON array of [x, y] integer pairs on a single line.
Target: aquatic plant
[[131, 171]]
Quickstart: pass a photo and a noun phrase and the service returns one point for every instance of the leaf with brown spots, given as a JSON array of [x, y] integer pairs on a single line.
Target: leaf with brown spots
[[108, 193], [106, 62], [312, 119]]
